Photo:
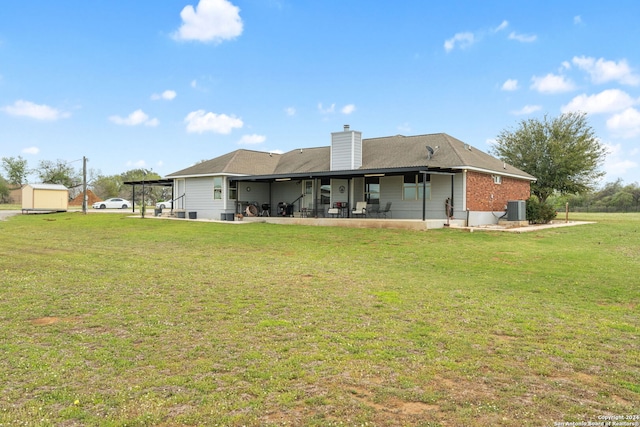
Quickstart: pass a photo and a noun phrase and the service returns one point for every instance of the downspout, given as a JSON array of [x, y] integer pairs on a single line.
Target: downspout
[[270, 203], [424, 195]]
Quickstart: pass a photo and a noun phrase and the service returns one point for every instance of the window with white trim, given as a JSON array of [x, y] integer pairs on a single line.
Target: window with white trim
[[217, 188], [497, 179], [233, 190]]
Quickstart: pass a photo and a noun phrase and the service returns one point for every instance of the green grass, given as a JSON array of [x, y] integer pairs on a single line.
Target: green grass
[[110, 320]]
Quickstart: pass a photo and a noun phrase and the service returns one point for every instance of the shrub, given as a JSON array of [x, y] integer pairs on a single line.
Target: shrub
[[539, 213]]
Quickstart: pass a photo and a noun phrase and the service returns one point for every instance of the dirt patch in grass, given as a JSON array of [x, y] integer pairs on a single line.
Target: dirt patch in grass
[[393, 405], [44, 321]]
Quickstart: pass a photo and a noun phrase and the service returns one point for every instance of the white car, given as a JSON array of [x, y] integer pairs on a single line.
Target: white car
[[164, 205], [113, 203]]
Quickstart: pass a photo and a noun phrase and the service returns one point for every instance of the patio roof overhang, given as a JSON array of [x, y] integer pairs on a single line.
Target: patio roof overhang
[[157, 182], [344, 174]]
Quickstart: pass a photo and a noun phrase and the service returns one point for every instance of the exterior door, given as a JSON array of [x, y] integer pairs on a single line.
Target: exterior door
[[308, 195]]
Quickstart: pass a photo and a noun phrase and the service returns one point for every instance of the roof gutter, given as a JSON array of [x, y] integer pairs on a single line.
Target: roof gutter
[[343, 174], [494, 172]]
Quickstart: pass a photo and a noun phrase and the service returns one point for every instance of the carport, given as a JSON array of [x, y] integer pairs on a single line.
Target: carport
[[151, 183]]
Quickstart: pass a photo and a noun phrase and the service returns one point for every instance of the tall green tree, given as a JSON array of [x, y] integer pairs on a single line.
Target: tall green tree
[[4, 190], [107, 186], [563, 153], [16, 169], [139, 175], [58, 172]]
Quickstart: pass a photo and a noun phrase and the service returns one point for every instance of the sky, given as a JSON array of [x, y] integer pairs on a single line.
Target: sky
[[165, 84]]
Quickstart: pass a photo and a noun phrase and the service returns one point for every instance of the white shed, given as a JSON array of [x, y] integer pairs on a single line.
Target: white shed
[[45, 197]]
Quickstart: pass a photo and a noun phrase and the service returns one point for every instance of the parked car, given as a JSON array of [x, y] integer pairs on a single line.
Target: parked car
[[164, 205], [113, 203]]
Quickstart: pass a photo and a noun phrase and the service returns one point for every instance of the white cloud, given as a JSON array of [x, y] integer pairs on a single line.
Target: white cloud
[[510, 85], [502, 26], [166, 95], [625, 124], [290, 111], [404, 127], [31, 150], [137, 164], [523, 38], [607, 101], [348, 109], [463, 40], [491, 142], [602, 71], [617, 162], [551, 83], [200, 121], [210, 21], [527, 109], [136, 118], [252, 139], [577, 20], [35, 111], [329, 110]]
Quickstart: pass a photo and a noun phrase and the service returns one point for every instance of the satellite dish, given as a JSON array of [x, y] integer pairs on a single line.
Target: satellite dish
[[430, 152]]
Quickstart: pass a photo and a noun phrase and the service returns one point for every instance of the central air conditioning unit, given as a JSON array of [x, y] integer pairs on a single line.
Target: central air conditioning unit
[[516, 210]]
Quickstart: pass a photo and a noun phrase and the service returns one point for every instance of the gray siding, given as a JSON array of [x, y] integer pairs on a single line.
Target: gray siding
[[391, 189], [346, 150]]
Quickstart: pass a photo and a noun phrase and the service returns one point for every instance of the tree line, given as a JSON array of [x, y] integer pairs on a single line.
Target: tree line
[[16, 173], [612, 197]]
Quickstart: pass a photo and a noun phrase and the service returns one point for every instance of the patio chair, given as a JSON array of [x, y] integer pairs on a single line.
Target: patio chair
[[360, 210], [373, 209], [387, 210]]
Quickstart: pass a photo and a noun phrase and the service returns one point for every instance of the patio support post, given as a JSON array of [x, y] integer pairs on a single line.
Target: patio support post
[[452, 204], [133, 199]]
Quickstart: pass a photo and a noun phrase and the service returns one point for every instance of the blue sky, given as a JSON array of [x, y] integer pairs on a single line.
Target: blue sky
[[165, 84]]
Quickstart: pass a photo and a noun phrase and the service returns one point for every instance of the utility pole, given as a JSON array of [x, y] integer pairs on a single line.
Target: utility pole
[[84, 185]]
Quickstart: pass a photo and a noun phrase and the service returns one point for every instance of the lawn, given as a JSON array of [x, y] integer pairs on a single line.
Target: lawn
[[110, 320]]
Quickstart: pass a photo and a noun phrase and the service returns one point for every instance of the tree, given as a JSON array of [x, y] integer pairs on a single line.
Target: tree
[[140, 175], [563, 153], [634, 190], [107, 186], [16, 169], [4, 190], [58, 172]]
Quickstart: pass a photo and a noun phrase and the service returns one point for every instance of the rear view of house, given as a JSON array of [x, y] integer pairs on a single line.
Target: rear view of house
[[424, 177]]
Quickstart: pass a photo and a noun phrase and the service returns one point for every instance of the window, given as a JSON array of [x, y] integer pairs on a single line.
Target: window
[[233, 190], [414, 186], [217, 188], [372, 190], [497, 179], [325, 191]]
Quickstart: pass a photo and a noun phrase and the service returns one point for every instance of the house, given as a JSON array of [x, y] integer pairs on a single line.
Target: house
[[45, 198], [419, 175]]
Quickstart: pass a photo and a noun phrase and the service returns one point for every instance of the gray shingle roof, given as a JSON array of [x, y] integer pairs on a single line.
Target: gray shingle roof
[[377, 153]]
